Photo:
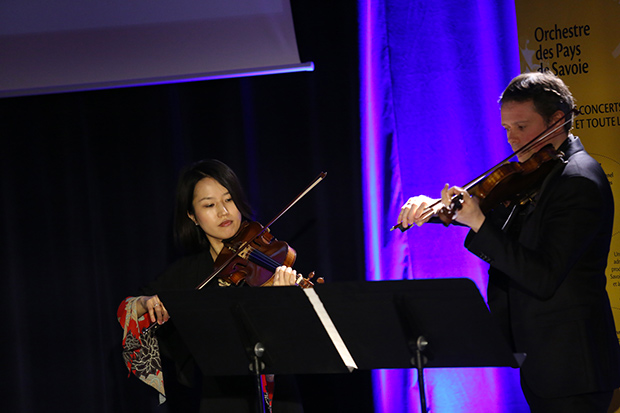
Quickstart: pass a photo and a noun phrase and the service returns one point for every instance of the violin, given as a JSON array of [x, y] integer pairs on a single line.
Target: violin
[[507, 182], [253, 253], [514, 182], [256, 263]]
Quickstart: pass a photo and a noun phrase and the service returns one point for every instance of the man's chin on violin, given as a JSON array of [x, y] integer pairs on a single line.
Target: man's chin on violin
[[523, 125]]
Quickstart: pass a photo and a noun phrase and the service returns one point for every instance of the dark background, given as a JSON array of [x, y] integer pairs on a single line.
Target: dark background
[[87, 182]]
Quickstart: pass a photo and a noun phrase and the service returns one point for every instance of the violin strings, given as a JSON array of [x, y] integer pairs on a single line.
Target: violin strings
[[263, 260]]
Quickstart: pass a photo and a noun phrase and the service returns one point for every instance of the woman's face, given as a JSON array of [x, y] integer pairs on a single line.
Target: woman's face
[[215, 211]]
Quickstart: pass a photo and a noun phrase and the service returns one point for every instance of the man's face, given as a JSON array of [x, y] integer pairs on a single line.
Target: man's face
[[523, 123]]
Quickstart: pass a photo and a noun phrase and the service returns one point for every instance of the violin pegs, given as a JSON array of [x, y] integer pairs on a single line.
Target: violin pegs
[[306, 283], [319, 280]]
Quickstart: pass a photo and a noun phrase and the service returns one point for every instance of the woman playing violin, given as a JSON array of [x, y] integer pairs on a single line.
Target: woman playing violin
[[210, 208], [547, 257]]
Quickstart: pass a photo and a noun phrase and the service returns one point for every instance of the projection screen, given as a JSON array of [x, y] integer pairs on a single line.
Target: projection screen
[[70, 45]]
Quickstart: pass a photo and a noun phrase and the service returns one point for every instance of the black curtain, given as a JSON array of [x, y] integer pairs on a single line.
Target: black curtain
[[87, 182]]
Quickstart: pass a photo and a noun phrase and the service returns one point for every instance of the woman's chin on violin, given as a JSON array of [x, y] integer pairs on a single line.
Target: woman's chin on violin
[[213, 209]]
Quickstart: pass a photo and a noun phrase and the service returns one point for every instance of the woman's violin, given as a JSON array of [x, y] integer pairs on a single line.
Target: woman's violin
[[507, 182], [253, 253], [256, 263]]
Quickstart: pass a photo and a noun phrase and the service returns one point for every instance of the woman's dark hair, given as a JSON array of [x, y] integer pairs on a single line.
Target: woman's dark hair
[[187, 234], [548, 92]]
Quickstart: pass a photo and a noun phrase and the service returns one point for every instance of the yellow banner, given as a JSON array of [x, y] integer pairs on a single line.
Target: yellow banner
[[579, 41]]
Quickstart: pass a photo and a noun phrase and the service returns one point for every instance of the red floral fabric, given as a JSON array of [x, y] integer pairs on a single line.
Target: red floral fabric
[[140, 351]]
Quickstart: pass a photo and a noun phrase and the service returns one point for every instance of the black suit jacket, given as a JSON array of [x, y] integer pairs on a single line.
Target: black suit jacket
[[547, 279]]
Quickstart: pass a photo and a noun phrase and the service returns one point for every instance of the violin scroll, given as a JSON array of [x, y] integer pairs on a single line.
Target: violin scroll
[[447, 214], [306, 283]]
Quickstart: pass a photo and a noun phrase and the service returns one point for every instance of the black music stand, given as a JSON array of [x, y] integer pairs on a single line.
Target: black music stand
[[417, 323], [241, 331], [385, 324]]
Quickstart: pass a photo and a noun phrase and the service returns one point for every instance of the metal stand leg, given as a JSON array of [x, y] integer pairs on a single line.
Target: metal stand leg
[[421, 344], [257, 367]]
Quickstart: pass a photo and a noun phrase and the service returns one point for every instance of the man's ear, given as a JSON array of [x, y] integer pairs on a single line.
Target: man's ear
[[557, 116]]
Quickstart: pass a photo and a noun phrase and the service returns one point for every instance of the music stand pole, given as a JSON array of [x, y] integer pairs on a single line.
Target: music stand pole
[[255, 352], [419, 363], [255, 367]]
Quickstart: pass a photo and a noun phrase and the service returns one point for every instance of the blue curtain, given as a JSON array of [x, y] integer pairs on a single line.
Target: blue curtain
[[431, 74]]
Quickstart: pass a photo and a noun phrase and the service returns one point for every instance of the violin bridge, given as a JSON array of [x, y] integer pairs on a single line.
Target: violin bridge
[[245, 253]]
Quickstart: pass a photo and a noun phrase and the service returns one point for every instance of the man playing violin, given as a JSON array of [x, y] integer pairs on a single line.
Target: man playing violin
[[210, 208], [547, 257]]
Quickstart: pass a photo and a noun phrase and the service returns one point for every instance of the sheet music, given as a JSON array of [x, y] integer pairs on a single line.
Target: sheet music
[[320, 310]]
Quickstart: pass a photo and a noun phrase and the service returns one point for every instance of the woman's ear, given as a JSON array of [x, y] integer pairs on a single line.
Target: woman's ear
[[192, 217]]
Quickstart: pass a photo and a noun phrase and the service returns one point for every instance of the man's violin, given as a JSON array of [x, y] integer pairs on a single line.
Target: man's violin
[[511, 183], [507, 182]]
